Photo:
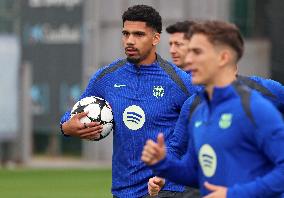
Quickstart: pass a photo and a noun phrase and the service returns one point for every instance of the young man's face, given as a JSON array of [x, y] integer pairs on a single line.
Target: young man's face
[[139, 41], [178, 48], [202, 60]]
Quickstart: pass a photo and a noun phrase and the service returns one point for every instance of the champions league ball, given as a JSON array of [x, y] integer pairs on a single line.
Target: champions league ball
[[99, 111]]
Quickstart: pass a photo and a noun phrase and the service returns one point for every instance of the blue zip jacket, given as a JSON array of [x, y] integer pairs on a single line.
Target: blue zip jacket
[[145, 100], [237, 139], [270, 89]]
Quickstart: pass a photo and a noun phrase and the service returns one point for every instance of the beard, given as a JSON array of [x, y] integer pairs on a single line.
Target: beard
[[133, 60], [138, 58]]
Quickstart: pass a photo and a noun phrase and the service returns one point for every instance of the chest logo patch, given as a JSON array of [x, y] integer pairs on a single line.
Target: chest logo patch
[[225, 120], [158, 91], [207, 160], [134, 117]]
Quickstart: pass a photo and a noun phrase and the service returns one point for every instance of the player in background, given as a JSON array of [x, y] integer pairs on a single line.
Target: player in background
[[231, 126], [146, 94], [178, 42]]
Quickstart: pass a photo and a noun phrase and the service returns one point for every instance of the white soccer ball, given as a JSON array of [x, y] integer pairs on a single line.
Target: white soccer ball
[[99, 111]]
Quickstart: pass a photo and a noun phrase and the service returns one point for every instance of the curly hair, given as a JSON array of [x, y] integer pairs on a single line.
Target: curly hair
[[144, 13], [180, 27]]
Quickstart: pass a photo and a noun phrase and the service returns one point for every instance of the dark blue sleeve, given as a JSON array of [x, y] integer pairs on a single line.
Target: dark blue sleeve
[[182, 171], [91, 90], [179, 140], [269, 138]]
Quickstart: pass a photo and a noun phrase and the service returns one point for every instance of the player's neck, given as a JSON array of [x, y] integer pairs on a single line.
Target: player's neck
[[222, 79], [151, 58]]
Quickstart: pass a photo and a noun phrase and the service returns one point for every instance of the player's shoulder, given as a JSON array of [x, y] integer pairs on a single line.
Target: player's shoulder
[[250, 100], [265, 86], [176, 76], [195, 98], [170, 67], [257, 99], [262, 108], [248, 95], [179, 71], [186, 77], [192, 104], [261, 80], [108, 69], [267, 82], [242, 89]]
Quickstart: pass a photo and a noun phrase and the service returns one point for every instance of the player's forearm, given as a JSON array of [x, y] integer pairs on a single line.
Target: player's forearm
[[174, 153], [177, 171], [65, 117]]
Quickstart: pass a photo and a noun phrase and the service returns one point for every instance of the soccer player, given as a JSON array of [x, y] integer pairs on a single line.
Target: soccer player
[[178, 42], [270, 89], [146, 94], [236, 136]]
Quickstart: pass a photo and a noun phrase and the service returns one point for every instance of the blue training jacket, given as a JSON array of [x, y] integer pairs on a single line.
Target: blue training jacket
[[237, 139], [145, 100], [270, 89]]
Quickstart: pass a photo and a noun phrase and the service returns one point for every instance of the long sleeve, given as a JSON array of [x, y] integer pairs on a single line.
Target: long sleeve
[[182, 171], [179, 140], [269, 139]]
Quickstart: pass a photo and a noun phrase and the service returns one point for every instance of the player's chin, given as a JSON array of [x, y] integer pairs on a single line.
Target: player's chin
[[176, 61], [133, 59], [195, 81]]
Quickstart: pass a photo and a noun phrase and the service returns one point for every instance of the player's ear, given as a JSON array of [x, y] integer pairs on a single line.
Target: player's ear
[[225, 57], [156, 38]]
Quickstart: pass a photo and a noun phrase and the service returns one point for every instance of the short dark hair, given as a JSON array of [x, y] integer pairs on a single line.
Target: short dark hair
[[144, 13], [220, 32], [180, 27]]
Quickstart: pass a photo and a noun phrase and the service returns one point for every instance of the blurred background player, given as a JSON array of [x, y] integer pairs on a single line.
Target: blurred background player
[[146, 94], [179, 42], [214, 49]]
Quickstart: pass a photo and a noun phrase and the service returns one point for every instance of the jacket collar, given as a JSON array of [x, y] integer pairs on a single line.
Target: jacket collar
[[221, 94]]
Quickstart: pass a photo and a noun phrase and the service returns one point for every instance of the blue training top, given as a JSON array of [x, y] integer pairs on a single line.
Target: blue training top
[[145, 100], [237, 139], [270, 89]]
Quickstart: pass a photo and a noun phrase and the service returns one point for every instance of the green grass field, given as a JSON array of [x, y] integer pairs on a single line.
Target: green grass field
[[38, 183]]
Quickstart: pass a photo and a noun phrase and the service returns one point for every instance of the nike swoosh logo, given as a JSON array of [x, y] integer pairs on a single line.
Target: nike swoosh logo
[[119, 85], [197, 124]]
